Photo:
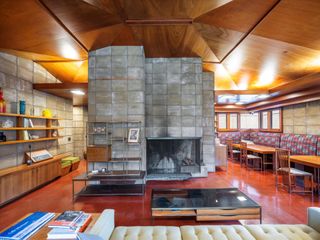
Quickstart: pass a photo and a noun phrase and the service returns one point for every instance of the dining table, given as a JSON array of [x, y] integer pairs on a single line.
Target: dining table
[[263, 150], [311, 161]]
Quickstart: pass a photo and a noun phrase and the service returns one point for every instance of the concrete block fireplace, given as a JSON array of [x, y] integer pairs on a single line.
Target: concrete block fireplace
[[171, 97], [173, 156]]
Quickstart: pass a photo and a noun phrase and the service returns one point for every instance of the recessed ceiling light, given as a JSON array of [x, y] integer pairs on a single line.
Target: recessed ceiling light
[[263, 96], [239, 103], [77, 92]]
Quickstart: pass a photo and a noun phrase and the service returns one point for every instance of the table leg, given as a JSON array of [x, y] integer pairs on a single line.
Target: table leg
[[318, 181], [72, 191]]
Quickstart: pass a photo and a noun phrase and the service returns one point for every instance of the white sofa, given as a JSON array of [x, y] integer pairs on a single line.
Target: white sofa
[[106, 229]]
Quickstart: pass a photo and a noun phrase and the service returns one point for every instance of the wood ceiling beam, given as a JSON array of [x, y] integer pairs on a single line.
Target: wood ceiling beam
[[241, 92], [61, 86], [229, 108], [285, 100], [182, 21], [309, 81], [51, 13]]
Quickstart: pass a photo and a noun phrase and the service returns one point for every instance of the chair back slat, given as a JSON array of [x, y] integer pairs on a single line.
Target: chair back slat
[[229, 143], [283, 158], [243, 152]]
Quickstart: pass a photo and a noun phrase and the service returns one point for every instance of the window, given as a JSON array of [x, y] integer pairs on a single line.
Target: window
[[222, 121], [233, 121], [275, 120], [249, 121], [271, 121], [264, 120], [228, 121]]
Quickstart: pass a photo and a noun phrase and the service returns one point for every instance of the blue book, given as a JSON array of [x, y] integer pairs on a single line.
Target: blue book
[[26, 227]]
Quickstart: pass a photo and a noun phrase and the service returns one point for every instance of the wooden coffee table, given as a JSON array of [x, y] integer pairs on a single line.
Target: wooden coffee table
[[213, 204], [42, 233]]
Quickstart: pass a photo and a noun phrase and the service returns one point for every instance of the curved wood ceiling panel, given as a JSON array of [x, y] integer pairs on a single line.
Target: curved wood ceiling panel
[[224, 27], [26, 26], [101, 37], [168, 9], [293, 21], [270, 62], [81, 17], [76, 71], [173, 41], [261, 43]]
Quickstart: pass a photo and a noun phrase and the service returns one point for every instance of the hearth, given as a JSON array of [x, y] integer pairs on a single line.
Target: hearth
[[173, 156]]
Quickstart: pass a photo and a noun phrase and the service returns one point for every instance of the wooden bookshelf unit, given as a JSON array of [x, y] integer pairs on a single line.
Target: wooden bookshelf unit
[[49, 127]]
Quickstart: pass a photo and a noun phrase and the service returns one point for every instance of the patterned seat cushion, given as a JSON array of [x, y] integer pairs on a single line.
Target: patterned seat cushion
[[234, 136], [146, 233], [283, 232], [227, 232], [299, 144], [266, 139], [246, 135], [318, 147]]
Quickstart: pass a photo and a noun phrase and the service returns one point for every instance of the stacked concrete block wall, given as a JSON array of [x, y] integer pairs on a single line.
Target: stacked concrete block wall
[[208, 130], [16, 78], [302, 118], [80, 118], [117, 90]]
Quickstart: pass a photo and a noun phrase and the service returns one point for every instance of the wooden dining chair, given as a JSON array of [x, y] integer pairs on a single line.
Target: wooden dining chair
[[289, 174], [232, 153], [249, 160]]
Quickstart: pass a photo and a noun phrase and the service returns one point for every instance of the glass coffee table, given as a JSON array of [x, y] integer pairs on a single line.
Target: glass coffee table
[[214, 204]]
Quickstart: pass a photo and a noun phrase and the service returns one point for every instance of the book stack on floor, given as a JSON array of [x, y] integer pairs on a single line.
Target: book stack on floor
[[68, 224], [27, 227]]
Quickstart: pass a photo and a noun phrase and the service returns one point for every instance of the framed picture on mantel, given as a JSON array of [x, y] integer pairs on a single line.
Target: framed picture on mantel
[[133, 135]]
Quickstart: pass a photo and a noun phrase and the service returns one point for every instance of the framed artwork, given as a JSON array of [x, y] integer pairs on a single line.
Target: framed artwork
[[133, 135]]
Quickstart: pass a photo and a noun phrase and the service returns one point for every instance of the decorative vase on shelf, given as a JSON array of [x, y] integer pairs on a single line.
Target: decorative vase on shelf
[[47, 113], [3, 107], [22, 107]]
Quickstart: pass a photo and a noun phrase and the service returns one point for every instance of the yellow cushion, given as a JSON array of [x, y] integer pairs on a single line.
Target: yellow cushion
[[146, 233], [283, 232], [226, 232], [72, 159]]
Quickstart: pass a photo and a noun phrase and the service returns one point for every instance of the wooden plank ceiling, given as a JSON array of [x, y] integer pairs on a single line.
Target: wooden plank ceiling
[[250, 45]]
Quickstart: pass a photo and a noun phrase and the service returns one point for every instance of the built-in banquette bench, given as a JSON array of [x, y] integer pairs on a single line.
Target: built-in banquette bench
[[298, 144]]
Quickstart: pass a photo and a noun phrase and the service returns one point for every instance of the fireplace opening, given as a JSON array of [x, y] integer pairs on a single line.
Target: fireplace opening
[[173, 156]]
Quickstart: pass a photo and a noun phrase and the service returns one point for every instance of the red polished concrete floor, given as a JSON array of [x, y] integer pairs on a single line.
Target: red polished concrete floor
[[278, 206]]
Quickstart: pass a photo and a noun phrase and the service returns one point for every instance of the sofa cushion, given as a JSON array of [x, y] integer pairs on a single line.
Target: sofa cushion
[[283, 232], [318, 147], [146, 233], [299, 144], [227, 232], [234, 136], [266, 139], [245, 135]]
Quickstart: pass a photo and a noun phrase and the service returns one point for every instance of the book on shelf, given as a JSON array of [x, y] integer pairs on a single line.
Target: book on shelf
[[66, 219], [30, 123], [27, 226], [26, 135]]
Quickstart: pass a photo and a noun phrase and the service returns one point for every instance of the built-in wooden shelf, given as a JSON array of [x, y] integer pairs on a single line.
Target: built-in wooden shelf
[[30, 140], [49, 128], [26, 116], [18, 180], [30, 128]]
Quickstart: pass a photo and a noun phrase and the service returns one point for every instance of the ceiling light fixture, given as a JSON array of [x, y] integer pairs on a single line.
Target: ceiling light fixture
[[263, 96], [77, 92]]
